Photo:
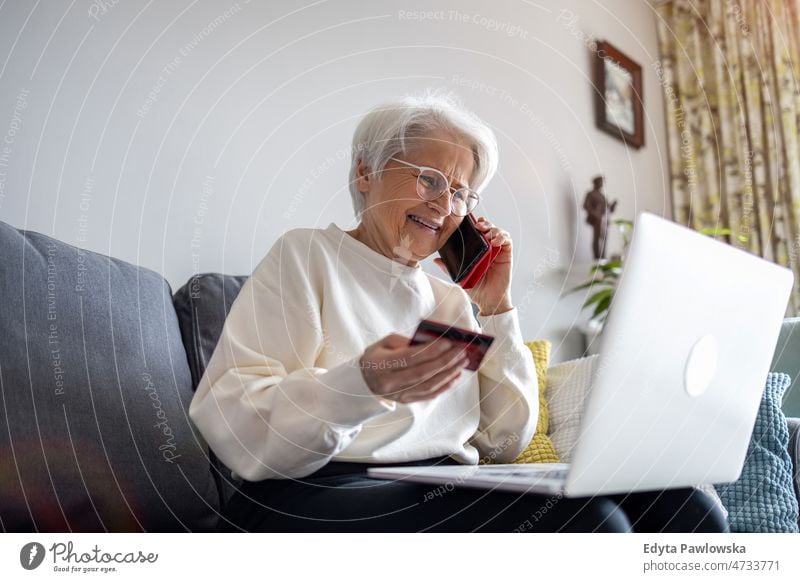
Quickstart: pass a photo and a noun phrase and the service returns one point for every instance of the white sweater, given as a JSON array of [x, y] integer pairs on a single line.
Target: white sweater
[[284, 394]]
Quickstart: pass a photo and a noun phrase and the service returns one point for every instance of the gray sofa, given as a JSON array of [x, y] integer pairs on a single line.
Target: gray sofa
[[98, 362]]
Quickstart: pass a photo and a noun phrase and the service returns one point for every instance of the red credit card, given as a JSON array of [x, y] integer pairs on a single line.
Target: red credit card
[[475, 344]]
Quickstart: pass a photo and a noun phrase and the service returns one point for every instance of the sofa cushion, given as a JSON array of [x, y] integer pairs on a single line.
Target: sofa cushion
[[787, 360], [202, 305], [94, 430], [763, 499], [568, 385], [541, 448], [793, 424]]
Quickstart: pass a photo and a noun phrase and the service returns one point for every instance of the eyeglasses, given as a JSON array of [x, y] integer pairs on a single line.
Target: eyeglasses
[[431, 184]]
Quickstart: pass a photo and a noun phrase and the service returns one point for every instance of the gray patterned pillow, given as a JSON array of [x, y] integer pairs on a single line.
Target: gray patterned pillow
[[94, 430]]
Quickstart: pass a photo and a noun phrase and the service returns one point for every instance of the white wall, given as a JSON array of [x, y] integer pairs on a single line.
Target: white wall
[[185, 138]]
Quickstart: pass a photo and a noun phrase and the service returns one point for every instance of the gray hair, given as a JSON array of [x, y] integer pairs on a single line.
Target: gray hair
[[387, 129]]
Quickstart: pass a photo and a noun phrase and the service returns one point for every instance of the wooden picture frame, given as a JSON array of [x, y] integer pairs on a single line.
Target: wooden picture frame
[[619, 100]]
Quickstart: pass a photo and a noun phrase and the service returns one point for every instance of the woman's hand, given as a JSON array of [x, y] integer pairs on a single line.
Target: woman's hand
[[493, 293], [396, 371]]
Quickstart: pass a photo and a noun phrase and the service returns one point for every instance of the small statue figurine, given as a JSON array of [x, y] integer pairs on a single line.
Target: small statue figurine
[[598, 215]]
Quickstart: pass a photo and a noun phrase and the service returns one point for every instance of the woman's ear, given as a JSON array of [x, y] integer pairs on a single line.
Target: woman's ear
[[363, 177]]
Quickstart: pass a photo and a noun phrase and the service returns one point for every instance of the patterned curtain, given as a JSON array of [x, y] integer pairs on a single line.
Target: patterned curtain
[[730, 70]]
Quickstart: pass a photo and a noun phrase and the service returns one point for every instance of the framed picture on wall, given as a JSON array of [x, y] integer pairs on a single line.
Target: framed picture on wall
[[619, 102]]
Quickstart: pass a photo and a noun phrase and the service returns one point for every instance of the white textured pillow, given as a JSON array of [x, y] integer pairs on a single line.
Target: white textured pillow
[[568, 385]]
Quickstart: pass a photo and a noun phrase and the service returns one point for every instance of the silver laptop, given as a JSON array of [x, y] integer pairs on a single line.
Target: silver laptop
[[684, 358]]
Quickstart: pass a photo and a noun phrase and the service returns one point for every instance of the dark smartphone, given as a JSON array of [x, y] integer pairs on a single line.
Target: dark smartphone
[[466, 254], [474, 344]]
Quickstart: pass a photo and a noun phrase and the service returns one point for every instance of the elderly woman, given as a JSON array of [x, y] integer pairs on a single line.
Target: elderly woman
[[313, 378]]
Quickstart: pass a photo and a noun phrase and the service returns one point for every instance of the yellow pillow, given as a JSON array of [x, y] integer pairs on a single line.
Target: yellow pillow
[[540, 449]]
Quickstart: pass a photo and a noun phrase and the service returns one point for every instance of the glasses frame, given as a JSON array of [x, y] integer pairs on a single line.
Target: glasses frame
[[449, 188]]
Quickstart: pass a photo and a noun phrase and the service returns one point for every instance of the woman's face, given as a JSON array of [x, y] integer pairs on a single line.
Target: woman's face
[[396, 220]]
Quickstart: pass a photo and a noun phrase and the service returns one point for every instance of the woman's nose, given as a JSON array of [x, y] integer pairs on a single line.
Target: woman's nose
[[442, 204]]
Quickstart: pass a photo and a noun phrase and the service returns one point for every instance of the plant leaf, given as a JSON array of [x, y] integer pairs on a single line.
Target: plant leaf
[[608, 267], [599, 296], [602, 305]]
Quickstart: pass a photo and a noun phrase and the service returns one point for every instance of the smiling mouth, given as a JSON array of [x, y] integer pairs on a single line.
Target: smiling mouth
[[431, 226]]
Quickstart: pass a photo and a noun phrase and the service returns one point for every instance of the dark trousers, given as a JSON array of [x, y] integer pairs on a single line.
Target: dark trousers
[[341, 498]]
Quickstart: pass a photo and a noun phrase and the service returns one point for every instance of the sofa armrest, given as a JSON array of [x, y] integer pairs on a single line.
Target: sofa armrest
[[794, 452]]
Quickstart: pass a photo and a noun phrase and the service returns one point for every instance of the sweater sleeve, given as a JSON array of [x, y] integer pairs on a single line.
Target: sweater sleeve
[[509, 391], [262, 405]]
